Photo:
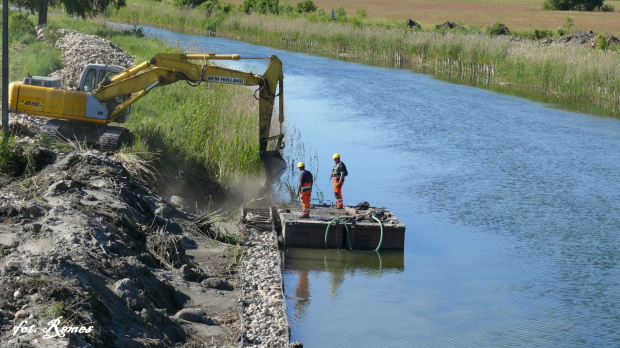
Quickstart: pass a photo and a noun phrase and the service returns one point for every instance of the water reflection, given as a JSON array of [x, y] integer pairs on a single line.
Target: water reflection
[[336, 265]]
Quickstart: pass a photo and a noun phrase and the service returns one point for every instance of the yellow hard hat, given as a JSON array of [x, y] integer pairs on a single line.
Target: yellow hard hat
[[300, 164], [336, 156]]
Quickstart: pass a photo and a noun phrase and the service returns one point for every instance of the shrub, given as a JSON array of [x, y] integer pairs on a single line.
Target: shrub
[[320, 16], [51, 33], [188, 3], [361, 13], [227, 7], [607, 8], [305, 6], [286, 8], [341, 14], [567, 5], [601, 44], [21, 29], [541, 34], [261, 6], [498, 29], [208, 7]]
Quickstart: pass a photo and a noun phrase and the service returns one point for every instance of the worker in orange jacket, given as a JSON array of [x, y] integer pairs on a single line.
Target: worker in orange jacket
[[304, 189], [338, 174]]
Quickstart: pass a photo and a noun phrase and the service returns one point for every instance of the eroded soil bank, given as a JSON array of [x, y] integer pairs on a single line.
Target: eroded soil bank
[[84, 240], [86, 246]]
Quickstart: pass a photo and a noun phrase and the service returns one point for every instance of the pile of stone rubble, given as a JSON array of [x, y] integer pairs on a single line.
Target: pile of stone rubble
[[263, 309], [79, 50]]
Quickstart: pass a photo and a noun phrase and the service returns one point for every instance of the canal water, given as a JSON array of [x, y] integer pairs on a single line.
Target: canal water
[[512, 210]]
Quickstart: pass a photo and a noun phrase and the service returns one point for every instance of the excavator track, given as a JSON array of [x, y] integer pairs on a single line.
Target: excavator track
[[113, 138], [107, 138]]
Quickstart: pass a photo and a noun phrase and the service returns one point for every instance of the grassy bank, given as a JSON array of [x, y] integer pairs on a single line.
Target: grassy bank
[[206, 137], [202, 138], [569, 74]]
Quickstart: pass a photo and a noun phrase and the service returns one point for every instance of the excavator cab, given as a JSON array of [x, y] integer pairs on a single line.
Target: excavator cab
[[93, 75]]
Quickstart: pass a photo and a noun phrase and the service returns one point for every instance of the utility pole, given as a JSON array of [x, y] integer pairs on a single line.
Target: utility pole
[[5, 70]]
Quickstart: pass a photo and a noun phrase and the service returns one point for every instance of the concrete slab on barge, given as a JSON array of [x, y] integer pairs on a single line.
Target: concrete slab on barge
[[365, 232]]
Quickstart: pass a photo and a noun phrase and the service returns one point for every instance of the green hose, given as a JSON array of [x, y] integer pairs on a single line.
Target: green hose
[[380, 239], [349, 234], [345, 226]]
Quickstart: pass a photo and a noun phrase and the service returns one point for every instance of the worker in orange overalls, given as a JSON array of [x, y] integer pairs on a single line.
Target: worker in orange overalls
[[304, 189], [338, 174]]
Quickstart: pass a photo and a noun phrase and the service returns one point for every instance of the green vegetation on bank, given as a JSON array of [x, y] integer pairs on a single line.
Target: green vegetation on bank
[[574, 75], [204, 136], [75, 8], [12, 157], [26, 55]]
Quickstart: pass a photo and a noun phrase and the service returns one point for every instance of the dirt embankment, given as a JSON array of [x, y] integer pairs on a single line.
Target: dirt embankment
[[90, 256], [96, 247]]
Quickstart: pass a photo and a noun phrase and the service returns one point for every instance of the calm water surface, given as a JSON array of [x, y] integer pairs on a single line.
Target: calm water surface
[[512, 211]]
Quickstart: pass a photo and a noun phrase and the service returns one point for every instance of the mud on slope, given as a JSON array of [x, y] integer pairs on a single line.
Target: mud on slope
[[93, 245]]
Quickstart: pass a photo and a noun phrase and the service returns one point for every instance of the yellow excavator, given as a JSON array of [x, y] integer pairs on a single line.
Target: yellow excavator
[[105, 94]]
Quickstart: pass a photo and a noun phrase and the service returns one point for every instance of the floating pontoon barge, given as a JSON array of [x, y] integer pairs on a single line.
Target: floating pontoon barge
[[364, 225]]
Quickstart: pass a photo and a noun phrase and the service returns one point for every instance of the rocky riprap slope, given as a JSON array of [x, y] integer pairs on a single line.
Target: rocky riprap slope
[[263, 306]]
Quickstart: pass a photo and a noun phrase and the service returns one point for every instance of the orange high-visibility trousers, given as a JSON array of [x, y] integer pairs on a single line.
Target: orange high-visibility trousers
[[304, 197], [338, 193]]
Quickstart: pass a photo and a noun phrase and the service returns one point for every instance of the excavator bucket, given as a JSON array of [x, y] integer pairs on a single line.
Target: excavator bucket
[[274, 164]]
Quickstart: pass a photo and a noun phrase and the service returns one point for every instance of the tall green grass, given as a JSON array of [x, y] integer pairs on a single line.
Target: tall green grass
[[166, 15], [570, 74], [12, 159], [205, 136]]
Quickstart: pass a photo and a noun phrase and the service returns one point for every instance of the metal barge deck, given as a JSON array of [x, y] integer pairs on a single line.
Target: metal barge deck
[[364, 231]]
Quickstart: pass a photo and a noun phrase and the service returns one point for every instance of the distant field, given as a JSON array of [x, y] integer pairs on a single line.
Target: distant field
[[516, 14]]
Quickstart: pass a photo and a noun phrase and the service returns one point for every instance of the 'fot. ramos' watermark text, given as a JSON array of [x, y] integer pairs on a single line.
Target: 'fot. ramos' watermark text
[[52, 330]]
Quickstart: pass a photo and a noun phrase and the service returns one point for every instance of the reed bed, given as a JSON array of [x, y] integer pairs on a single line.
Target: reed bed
[[570, 74], [577, 76], [165, 15]]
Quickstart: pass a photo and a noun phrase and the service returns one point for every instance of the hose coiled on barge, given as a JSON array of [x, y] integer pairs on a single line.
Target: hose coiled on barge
[[349, 234]]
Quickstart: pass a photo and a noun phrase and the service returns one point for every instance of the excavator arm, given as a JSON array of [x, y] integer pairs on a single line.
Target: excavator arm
[[168, 68], [101, 107]]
